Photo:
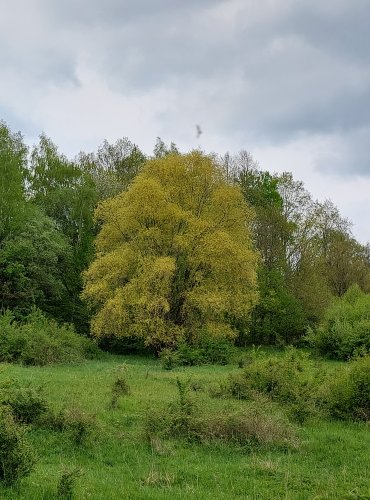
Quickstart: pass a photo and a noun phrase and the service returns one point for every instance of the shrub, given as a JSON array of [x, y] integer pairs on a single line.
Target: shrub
[[41, 341], [254, 426], [169, 359], [348, 394], [289, 379], [66, 484], [120, 388], [176, 420], [258, 425], [205, 349], [77, 423], [16, 457], [345, 328], [73, 421], [27, 404]]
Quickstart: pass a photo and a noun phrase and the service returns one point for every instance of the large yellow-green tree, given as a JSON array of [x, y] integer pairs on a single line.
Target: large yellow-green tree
[[174, 256]]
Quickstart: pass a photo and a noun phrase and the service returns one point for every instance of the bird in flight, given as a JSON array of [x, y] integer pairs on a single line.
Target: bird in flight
[[199, 131]]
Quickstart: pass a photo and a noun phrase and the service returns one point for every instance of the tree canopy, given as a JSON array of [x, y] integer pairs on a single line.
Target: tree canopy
[[174, 255]]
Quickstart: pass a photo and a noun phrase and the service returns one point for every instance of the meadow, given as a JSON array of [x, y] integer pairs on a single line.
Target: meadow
[[118, 459]]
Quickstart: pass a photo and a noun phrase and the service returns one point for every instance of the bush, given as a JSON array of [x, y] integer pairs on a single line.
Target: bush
[[345, 329], [204, 350], [169, 359], [120, 388], [289, 379], [65, 489], [348, 394], [27, 404], [41, 341], [75, 422], [257, 425], [254, 426], [16, 457]]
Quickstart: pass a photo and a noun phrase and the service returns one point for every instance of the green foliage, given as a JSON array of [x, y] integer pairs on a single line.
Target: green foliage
[[256, 426], [348, 393], [345, 328], [113, 167], [16, 456], [41, 341], [78, 424], [169, 359], [161, 150], [174, 256]]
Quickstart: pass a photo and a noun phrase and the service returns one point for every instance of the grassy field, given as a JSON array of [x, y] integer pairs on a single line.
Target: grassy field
[[116, 462]]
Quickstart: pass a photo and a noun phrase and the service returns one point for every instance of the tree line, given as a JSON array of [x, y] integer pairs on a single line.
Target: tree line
[[183, 243]]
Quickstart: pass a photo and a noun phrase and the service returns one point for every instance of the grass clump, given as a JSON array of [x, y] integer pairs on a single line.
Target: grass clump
[[16, 455], [42, 341]]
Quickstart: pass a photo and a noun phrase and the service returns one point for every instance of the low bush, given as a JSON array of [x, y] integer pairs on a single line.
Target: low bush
[[289, 379], [255, 425], [75, 422], [41, 341], [16, 456], [205, 350], [66, 485], [169, 359], [348, 393], [345, 329], [27, 405], [120, 388]]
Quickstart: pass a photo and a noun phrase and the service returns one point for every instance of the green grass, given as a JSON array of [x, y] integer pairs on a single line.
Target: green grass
[[333, 460]]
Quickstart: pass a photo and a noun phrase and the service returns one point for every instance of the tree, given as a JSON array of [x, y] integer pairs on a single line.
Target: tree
[[174, 255], [113, 167], [33, 265], [161, 149], [279, 316], [13, 162], [67, 194]]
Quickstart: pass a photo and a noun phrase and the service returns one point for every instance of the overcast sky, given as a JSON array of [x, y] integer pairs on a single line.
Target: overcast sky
[[287, 80]]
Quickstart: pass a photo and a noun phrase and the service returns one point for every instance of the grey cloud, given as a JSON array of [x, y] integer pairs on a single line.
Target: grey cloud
[[271, 72], [306, 85], [350, 157]]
